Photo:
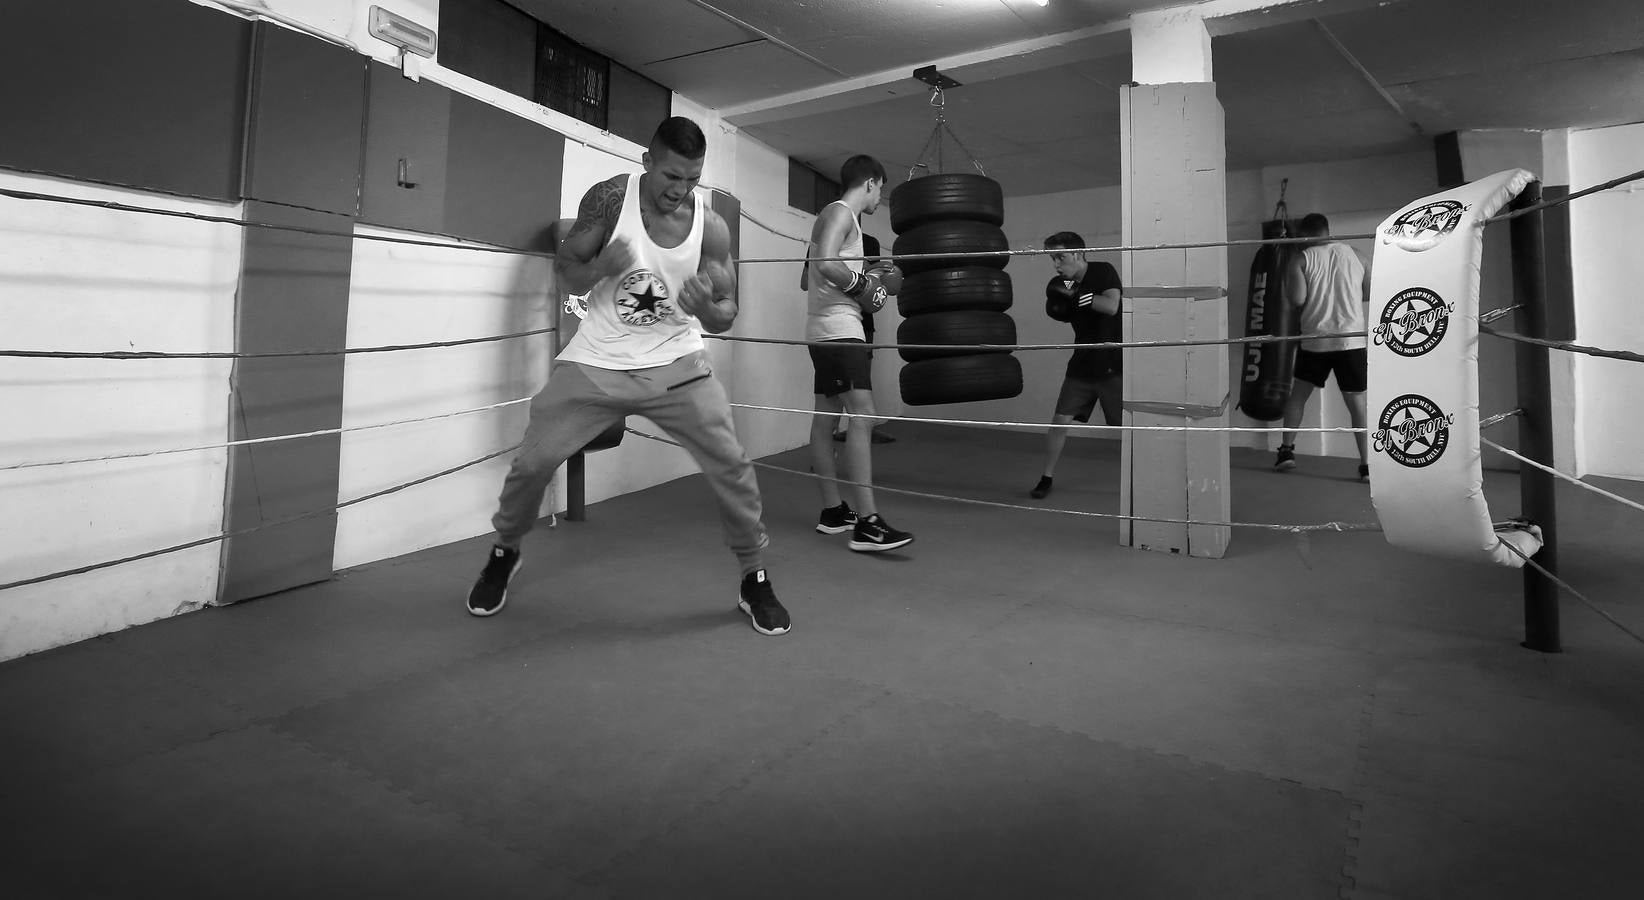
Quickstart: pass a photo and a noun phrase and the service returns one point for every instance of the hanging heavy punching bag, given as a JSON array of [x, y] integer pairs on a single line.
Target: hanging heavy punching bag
[[1269, 367]]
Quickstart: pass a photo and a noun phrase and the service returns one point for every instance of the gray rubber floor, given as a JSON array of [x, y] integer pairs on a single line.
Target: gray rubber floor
[[1013, 707]]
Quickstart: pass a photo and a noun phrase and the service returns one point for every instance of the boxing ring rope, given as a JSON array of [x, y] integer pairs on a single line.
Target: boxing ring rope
[[1591, 488], [1092, 345], [200, 542], [116, 206], [1530, 563], [1529, 277], [1540, 205], [1627, 355], [342, 351], [461, 243], [1270, 526], [246, 442], [990, 423]]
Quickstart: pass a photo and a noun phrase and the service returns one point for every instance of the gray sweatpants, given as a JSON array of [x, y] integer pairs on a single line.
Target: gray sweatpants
[[683, 398]]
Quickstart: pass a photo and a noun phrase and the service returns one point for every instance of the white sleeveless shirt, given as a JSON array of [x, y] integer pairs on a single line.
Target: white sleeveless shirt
[[1334, 277], [829, 314], [634, 320]]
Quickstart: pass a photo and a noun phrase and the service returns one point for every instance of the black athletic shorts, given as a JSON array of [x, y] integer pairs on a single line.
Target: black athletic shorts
[[1079, 396], [842, 365], [1352, 368]]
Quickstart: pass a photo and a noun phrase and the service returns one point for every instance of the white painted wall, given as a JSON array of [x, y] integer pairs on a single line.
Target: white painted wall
[[1608, 268], [1355, 194], [78, 278], [408, 295], [772, 306], [346, 21]]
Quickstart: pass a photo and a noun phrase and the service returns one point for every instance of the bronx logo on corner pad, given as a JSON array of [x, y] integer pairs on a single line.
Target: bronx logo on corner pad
[[1422, 227], [1413, 322], [1413, 431]]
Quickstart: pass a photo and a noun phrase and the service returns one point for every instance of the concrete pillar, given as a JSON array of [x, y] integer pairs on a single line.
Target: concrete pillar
[[1168, 46], [1174, 192]]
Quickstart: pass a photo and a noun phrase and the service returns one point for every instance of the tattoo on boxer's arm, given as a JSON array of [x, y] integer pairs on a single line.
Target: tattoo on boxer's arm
[[601, 206]]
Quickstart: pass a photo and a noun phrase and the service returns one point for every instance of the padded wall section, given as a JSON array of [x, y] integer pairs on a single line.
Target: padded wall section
[[293, 296], [407, 126], [637, 104], [303, 135], [730, 209], [491, 41], [150, 95], [502, 176]]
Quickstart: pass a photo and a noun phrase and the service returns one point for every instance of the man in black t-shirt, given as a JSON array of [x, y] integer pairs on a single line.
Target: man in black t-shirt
[[1086, 295]]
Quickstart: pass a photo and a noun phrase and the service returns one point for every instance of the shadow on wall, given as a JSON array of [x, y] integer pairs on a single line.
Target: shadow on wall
[[534, 290]]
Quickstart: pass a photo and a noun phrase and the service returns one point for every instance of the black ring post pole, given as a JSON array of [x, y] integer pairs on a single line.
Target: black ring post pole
[[1535, 425]]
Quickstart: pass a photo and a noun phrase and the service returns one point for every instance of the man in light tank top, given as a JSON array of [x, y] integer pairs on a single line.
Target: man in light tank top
[[840, 293], [656, 264], [1327, 287]]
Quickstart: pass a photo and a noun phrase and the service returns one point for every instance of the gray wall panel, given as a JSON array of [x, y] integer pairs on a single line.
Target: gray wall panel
[[503, 176], [293, 296], [150, 95], [307, 110], [406, 121]]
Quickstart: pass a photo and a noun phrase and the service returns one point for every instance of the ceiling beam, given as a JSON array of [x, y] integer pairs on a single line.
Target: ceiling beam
[[751, 29], [1013, 58], [1029, 55], [1370, 79], [1223, 17]]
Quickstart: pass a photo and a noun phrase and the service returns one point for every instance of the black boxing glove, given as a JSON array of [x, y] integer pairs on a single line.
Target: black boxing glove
[[889, 276], [1060, 301], [872, 294]]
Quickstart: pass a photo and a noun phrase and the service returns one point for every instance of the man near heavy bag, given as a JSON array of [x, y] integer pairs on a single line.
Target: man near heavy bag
[[841, 292], [1329, 285], [1085, 295], [891, 277]]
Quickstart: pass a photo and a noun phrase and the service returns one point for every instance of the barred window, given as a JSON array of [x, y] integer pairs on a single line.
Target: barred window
[[571, 78], [497, 43]]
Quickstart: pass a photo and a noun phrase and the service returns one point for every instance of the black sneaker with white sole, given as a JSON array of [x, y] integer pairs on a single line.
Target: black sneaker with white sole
[[1286, 458], [875, 535], [836, 519], [758, 600], [490, 591]]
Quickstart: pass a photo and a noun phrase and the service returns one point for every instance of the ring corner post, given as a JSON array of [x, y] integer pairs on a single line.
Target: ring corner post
[[1535, 434]]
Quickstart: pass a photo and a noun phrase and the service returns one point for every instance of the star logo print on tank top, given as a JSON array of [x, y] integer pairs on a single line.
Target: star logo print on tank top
[[642, 299]]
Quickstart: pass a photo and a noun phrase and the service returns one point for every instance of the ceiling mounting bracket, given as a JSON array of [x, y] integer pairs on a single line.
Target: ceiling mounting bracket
[[935, 79], [938, 101]]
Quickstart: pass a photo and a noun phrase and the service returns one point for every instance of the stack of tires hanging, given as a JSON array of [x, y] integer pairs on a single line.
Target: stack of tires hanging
[[953, 301]]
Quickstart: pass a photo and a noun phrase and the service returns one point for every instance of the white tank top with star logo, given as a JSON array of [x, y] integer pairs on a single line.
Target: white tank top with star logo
[[634, 320]]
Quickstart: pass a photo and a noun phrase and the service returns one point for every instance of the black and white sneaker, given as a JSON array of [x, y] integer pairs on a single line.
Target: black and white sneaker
[[836, 519], [490, 592], [874, 535], [1286, 458], [756, 598], [1042, 489]]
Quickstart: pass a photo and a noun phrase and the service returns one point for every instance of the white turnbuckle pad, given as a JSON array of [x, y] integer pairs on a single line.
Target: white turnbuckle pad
[[1426, 475]]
